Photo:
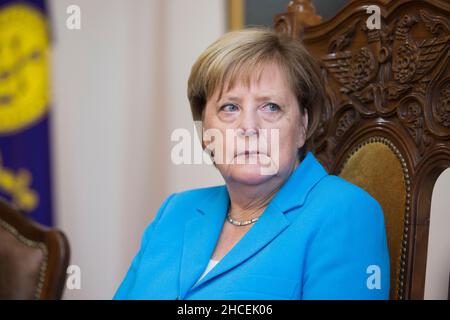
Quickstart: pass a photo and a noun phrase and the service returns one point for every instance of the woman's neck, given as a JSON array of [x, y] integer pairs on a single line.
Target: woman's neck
[[250, 201]]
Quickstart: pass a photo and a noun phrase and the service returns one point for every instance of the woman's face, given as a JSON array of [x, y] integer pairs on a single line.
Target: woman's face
[[255, 131]]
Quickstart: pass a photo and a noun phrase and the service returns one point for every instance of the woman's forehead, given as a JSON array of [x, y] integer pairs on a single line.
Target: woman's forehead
[[268, 77]]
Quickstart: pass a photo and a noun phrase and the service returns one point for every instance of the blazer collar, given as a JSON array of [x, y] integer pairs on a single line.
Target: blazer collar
[[203, 230], [295, 190]]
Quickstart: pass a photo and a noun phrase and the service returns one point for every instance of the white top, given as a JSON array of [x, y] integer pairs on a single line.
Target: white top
[[211, 264]]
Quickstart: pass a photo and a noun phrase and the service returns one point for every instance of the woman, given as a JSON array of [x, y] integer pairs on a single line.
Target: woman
[[280, 227]]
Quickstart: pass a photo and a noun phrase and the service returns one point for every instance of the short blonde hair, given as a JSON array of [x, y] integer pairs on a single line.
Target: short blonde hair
[[237, 55]]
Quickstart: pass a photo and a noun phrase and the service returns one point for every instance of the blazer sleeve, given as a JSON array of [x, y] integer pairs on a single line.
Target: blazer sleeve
[[130, 277], [348, 258]]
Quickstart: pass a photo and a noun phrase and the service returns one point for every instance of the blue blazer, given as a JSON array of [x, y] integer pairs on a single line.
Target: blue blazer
[[320, 237]]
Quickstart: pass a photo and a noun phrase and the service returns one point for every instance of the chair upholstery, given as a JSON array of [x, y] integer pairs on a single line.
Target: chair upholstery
[[33, 258], [386, 125]]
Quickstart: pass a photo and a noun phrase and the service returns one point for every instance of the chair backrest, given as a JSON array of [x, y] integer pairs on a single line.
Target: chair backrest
[[33, 258], [386, 126]]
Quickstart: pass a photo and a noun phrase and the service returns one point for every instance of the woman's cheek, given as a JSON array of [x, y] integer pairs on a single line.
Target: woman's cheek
[[228, 148], [224, 148], [287, 148]]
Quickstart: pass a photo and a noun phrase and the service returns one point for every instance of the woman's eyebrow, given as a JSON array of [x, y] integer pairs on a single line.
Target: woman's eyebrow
[[265, 97], [230, 99]]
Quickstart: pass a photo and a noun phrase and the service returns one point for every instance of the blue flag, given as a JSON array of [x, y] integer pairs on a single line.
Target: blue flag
[[24, 107]]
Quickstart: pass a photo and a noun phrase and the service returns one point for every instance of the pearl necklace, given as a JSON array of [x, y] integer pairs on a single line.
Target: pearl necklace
[[240, 223]]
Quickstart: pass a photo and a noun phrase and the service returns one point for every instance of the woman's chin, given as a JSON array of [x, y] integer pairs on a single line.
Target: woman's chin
[[251, 174]]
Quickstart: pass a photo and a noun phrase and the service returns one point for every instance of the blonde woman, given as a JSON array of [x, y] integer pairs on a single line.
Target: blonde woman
[[291, 232]]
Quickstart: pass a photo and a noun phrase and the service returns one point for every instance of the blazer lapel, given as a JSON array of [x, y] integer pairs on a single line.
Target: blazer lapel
[[201, 234], [271, 223]]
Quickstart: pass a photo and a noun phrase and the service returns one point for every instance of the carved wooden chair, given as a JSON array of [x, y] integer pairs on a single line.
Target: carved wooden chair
[[386, 127], [33, 258]]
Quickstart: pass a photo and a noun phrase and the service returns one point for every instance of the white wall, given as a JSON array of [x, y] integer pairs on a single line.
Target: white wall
[[438, 262], [182, 50], [119, 88]]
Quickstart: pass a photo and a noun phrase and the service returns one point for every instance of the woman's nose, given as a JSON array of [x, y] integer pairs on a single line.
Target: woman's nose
[[248, 124]]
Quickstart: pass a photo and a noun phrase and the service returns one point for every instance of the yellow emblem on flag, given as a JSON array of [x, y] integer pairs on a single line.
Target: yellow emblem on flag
[[24, 67]]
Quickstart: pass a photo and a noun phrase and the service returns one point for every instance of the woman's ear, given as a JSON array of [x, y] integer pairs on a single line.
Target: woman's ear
[[203, 138], [303, 127]]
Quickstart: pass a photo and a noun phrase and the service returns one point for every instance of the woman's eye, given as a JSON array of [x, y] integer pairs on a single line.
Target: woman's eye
[[229, 108], [271, 107]]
